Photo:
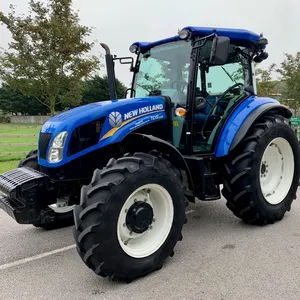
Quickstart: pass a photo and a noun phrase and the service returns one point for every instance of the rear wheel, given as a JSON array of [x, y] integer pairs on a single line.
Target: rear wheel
[[63, 214], [130, 217], [261, 176]]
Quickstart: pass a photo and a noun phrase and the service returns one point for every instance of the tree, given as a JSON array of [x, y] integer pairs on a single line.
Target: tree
[[264, 81], [14, 102], [290, 75], [96, 89], [48, 56]]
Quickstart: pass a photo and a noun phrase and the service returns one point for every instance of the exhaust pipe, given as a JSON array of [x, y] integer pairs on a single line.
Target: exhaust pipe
[[110, 68]]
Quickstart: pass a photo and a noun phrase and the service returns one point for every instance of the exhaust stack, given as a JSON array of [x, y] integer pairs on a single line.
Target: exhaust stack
[[110, 69]]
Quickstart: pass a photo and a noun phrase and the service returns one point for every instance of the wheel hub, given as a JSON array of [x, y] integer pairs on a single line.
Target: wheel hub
[[264, 169], [139, 217]]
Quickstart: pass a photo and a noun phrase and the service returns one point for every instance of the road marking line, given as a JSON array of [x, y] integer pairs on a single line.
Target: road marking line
[[35, 257], [42, 255]]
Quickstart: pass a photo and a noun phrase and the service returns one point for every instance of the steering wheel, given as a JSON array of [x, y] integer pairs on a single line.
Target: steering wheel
[[217, 102], [183, 83]]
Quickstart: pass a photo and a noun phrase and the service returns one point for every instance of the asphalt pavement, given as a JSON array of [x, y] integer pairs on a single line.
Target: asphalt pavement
[[219, 258]]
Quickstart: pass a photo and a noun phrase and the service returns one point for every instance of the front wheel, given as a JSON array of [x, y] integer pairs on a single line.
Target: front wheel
[[130, 216], [261, 176]]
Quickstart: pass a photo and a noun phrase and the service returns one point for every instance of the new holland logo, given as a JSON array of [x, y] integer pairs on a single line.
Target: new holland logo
[[115, 119]]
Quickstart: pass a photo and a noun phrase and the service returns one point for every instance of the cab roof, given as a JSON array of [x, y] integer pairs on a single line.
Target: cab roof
[[238, 35]]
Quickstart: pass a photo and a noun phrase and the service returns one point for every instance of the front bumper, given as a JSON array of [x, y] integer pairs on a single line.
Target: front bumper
[[25, 194]]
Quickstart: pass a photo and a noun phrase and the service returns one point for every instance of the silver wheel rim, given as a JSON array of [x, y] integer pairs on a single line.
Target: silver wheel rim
[[61, 206], [139, 245], [277, 170]]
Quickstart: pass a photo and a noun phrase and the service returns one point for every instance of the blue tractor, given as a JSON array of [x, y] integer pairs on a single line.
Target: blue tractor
[[124, 170]]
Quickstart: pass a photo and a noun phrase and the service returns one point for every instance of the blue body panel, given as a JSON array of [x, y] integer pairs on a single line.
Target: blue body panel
[[236, 120], [233, 34], [135, 113]]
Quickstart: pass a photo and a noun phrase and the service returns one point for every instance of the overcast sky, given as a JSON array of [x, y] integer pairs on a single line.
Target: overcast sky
[[119, 23]]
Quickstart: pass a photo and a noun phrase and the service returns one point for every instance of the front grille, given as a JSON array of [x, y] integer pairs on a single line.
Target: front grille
[[44, 140]]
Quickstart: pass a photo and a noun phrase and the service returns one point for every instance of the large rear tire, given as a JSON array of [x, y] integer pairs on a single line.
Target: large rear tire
[[261, 175], [130, 217], [61, 219]]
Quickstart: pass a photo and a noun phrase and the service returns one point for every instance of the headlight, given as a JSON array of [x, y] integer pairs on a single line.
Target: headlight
[[57, 147]]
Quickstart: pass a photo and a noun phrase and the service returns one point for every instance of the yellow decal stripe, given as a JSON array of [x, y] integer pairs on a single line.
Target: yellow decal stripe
[[113, 130]]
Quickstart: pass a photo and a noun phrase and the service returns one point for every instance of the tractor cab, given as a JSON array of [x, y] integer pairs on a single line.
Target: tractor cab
[[205, 73]]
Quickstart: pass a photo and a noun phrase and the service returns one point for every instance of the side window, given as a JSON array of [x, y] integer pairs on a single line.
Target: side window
[[220, 78]]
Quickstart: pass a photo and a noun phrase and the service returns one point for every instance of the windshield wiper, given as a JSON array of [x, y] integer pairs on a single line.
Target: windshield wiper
[[228, 75]]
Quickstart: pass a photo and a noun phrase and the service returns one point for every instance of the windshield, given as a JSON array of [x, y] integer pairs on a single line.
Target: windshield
[[164, 68]]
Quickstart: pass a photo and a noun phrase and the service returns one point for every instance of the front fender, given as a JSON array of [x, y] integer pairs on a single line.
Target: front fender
[[241, 119]]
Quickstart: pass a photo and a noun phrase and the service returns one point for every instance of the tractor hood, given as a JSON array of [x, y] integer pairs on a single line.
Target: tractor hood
[[118, 118], [128, 108]]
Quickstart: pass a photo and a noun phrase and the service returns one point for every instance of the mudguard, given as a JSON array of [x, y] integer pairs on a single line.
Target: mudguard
[[241, 119]]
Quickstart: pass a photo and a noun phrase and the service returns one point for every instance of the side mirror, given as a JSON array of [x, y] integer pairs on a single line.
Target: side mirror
[[261, 57], [219, 51], [200, 103]]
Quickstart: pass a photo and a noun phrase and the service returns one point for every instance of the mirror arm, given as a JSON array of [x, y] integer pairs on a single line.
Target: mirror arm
[[131, 63]]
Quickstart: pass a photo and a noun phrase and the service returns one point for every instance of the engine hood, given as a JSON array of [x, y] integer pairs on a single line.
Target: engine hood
[[69, 120], [118, 118]]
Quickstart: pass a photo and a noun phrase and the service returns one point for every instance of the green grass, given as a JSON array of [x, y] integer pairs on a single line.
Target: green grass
[[8, 165], [12, 134], [18, 130], [16, 148], [15, 140]]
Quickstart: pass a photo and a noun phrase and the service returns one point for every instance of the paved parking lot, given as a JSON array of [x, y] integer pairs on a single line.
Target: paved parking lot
[[220, 258]]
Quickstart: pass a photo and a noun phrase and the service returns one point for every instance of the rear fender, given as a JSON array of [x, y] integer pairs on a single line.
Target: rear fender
[[242, 118], [141, 142]]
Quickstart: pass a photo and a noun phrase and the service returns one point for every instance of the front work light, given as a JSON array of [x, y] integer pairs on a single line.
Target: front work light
[[57, 147], [133, 48], [184, 34]]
